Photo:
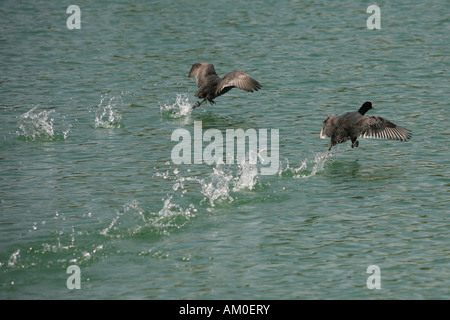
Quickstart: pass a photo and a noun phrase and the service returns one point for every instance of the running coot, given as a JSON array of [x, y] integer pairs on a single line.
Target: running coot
[[211, 85], [354, 125]]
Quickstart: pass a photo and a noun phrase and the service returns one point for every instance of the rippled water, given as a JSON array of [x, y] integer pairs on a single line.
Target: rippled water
[[87, 179]]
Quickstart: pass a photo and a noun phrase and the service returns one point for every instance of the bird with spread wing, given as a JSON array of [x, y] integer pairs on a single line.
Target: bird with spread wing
[[211, 85], [354, 125]]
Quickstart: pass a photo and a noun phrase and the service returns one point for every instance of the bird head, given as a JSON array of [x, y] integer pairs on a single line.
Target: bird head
[[365, 107]]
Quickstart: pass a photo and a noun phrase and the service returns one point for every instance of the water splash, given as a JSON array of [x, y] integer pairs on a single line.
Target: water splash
[[177, 209], [13, 258], [246, 177], [38, 125], [221, 183], [134, 219], [308, 168], [130, 221], [172, 215], [107, 116], [319, 161], [216, 187], [54, 242], [181, 108]]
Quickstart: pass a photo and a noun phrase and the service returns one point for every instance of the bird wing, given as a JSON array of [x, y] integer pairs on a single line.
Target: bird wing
[[329, 126], [201, 71], [379, 128], [238, 79]]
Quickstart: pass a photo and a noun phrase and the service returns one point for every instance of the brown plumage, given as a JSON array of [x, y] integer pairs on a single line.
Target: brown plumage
[[354, 125], [211, 85]]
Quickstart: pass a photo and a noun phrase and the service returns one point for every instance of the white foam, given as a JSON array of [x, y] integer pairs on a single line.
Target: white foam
[[107, 114], [308, 168], [13, 258], [37, 124], [182, 107], [130, 221], [246, 177], [216, 187]]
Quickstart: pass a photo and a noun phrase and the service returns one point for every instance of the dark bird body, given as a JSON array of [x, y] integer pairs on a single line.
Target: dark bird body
[[354, 125], [211, 85]]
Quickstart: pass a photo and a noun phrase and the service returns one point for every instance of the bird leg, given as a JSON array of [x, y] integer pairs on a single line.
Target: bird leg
[[197, 104], [355, 143]]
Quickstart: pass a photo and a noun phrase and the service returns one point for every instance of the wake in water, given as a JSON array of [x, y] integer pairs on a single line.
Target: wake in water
[[54, 242], [218, 187], [187, 196], [134, 219], [39, 125], [69, 245], [182, 107], [308, 167]]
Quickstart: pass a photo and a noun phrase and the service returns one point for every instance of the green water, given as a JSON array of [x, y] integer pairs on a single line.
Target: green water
[[87, 179]]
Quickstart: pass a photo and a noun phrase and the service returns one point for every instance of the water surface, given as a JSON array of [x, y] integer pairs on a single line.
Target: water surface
[[87, 179]]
